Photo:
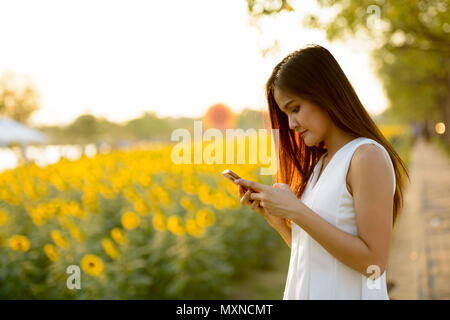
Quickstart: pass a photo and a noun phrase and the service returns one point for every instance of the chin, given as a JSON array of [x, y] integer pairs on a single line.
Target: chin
[[307, 141], [312, 142]]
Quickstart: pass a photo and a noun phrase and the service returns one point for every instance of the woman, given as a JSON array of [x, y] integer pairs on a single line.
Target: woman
[[348, 177]]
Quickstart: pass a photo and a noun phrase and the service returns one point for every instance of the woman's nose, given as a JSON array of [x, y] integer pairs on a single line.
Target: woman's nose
[[293, 124]]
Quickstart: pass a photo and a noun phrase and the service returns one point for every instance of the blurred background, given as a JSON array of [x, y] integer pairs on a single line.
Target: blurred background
[[91, 91]]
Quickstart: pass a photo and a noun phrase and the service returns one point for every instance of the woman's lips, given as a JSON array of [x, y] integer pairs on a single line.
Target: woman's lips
[[301, 134]]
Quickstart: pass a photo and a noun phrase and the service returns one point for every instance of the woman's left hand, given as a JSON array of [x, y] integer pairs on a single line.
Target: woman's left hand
[[278, 200]]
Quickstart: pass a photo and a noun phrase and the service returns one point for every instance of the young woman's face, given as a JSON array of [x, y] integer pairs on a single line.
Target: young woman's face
[[304, 115]]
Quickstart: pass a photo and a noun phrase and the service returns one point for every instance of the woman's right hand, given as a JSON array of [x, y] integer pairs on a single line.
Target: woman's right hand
[[254, 205]]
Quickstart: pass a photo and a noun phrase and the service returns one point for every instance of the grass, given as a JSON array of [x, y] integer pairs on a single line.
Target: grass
[[265, 284]]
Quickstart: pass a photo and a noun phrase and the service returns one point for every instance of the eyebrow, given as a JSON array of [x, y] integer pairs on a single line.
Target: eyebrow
[[286, 106]]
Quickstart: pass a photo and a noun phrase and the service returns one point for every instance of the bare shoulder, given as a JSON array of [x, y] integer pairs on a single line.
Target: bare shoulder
[[368, 162]]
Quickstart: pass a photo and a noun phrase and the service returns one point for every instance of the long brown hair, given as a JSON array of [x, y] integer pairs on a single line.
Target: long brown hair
[[313, 74]]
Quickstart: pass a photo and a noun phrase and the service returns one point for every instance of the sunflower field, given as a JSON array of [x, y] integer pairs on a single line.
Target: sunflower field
[[136, 225]]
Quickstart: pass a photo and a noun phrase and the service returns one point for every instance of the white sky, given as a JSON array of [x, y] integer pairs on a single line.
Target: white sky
[[117, 59]]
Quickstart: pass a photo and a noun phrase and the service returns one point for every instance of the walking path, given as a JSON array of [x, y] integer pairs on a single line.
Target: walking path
[[419, 263]]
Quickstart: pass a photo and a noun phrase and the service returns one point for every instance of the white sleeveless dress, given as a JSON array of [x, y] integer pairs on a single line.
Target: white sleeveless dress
[[313, 272]]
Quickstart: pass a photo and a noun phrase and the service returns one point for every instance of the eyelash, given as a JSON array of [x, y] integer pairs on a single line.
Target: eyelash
[[296, 108]]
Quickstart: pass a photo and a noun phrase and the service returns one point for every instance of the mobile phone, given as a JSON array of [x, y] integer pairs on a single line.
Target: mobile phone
[[230, 175]]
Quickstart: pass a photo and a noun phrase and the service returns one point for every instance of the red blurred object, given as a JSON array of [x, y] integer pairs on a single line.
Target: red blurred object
[[219, 116]]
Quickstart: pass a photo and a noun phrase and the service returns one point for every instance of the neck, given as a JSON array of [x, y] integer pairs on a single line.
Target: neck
[[336, 139]]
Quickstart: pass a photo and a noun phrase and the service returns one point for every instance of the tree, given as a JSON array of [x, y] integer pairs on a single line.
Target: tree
[[18, 97], [84, 129], [148, 126], [249, 118], [412, 48]]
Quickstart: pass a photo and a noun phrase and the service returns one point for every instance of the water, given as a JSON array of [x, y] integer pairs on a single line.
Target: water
[[45, 155]]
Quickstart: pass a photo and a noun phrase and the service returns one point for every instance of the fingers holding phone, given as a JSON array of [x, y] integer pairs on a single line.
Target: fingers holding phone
[[244, 193], [245, 198], [232, 176], [255, 205]]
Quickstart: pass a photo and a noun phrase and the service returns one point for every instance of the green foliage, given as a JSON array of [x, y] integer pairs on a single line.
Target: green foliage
[[412, 49], [252, 119], [148, 126]]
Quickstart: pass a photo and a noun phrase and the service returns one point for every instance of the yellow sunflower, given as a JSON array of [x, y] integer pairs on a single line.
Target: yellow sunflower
[[59, 239], [76, 233], [193, 228], [205, 217], [175, 225], [92, 265], [141, 207], [130, 220], [187, 204], [110, 249], [19, 242], [118, 236], [159, 222], [51, 252]]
